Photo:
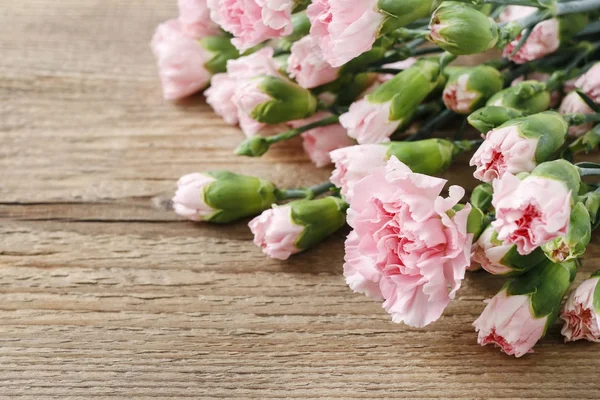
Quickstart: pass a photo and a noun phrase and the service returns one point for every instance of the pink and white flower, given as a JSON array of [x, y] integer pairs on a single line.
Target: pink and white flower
[[489, 254], [247, 97], [251, 22], [319, 142], [530, 212], [405, 247], [508, 322], [544, 39], [513, 13], [354, 163], [581, 317], [307, 66], [573, 103], [258, 63], [344, 29], [276, 233], [369, 122], [504, 150], [220, 96], [194, 17], [457, 96], [589, 83], [180, 60], [188, 201]]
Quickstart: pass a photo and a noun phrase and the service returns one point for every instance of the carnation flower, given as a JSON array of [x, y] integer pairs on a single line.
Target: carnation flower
[[543, 40], [194, 17], [220, 97], [307, 66], [580, 313]]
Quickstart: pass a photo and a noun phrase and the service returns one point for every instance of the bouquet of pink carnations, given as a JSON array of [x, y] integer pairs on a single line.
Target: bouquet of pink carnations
[[368, 85]]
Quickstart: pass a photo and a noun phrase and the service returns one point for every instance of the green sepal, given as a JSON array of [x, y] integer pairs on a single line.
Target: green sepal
[[518, 263], [401, 13], [429, 156], [237, 196], [320, 218], [546, 285], [574, 244], [482, 196], [487, 118], [289, 101], [254, 146], [560, 170], [529, 97], [588, 142], [222, 50], [591, 201], [483, 80], [476, 222], [464, 30], [596, 292]]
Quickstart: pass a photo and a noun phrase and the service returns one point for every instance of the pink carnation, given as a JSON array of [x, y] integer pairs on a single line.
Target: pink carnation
[[504, 150], [508, 323], [180, 61], [220, 97], [251, 22], [247, 97], [457, 97], [581, 318], [544, 39], [489, 255], [318, 142], [275, 232], [307, 66], [260, 62], [194, 17], [531, 212], [369, 122], [344, 29], [189, 198], [589, 83], [513, 13], [571, 104], [354, 163], [405, 242]]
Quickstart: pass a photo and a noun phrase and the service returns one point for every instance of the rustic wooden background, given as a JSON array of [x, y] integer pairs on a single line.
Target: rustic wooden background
[[105, 295]]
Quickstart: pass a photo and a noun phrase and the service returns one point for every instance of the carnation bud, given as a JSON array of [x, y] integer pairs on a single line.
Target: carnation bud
[[402, 13], [530, 97], [222, 50], [429, 156], [573, 244], [297, 226], [481, 197], [521, 313], [498, 258], [467, 90], [273, 100], [461, 29], [487, 118], [222, 196]]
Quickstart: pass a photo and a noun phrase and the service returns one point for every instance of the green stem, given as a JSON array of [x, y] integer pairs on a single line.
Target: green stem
[[428, 127], [580, 119], [576, 7], [292, 133], [304, 193], [589, 171], [524, 36]]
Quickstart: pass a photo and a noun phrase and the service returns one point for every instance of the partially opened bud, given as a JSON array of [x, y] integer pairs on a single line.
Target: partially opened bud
[[461, 29], [498, 258], [222, 196], [487, 118], [529, 97], [589, 83], [520, 314], [374, 118], [573, 244], [572, 104], [581, 312], [467, 90], [272, 100], [481, 197], [519, 145], [297, 226], [429, 156]]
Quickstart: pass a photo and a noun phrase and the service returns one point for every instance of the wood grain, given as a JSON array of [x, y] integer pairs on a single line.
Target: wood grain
[[104, 295]]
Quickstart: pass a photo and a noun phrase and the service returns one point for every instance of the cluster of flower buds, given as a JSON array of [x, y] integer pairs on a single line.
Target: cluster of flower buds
[[371, 86]]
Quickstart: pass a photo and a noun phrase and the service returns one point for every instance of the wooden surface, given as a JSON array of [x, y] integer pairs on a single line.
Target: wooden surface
[[105, 295]]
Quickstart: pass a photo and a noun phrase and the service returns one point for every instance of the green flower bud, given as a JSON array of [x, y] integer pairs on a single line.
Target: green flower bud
[[408, 89], [320, 218], [254, 146], [429, 156], [402, 13], [222, 50], [487, 118], [482, 197], [579, 234], [529, 97], [546, 285], [461, 29], [273, 100], [468, 90]]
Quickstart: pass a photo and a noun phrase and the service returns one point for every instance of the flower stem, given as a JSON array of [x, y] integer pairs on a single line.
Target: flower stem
[[579, 6], [292, 133], [429, 126], [589, 171], [304, 193]]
